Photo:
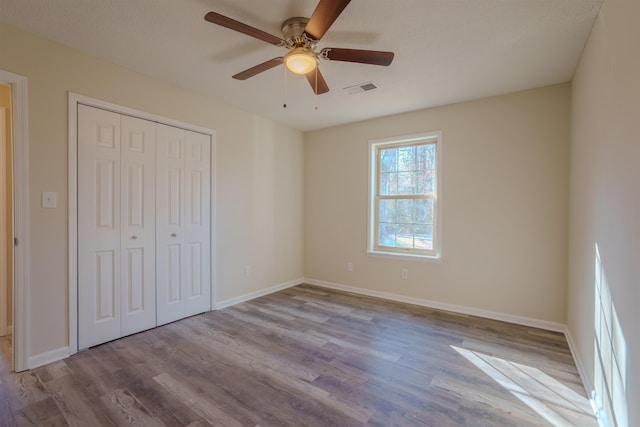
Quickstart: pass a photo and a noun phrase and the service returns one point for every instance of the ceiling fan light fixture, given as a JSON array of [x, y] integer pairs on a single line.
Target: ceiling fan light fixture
[[300, 61]]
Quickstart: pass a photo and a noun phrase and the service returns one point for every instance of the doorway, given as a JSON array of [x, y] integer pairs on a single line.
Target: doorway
[[16, 173], [6, 230]]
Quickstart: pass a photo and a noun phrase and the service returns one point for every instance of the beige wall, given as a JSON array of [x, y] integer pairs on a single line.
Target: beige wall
[[258, 168], [505, 205], [605, 188], [5, 101]]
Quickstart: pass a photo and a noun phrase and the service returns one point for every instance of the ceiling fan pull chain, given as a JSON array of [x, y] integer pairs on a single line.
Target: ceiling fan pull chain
[[284, 105], [316, 91]]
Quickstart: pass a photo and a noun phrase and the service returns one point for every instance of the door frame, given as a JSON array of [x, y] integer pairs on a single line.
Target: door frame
[[21, 259], [74, 100], [4, 231]]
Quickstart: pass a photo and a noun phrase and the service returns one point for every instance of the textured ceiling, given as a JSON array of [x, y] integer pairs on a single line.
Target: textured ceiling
[[446, 51]]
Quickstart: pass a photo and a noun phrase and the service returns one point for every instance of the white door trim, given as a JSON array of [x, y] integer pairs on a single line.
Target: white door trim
[[21, 260], [74, 100], [4, 231]]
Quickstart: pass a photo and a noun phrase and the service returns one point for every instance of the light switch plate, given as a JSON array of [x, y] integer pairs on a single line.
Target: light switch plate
[[49, 199]]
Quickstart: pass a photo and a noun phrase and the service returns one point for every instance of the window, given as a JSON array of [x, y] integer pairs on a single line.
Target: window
[[404, 210]]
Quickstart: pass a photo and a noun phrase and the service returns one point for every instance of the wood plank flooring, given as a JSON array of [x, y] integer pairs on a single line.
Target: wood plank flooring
[[315, 357]]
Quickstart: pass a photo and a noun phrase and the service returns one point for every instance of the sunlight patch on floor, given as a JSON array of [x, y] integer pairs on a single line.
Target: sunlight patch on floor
[[554, 401]]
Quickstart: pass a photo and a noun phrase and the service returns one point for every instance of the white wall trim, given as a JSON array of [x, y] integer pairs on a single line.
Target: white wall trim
[[48, 357], [262, 292], [72, 225], [212, 225], [21, 215], [4, 231], [72, 144], [519, 320]]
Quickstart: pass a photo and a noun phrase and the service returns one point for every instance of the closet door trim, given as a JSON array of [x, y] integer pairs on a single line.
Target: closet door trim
[[73, 101]]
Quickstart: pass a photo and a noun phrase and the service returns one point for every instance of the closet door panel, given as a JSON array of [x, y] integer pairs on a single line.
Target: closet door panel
[[98, 226], [198, 223], [138, 278], [170, 214]]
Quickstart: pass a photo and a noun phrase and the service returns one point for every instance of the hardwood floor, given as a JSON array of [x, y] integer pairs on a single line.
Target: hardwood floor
[[310, 356]]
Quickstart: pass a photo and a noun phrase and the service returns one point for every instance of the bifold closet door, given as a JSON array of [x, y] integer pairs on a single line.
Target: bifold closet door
[[138, 225], [116, 226], [183, 230]]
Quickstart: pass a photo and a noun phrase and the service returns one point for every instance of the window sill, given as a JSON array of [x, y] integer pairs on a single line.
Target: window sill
[[405, 257]]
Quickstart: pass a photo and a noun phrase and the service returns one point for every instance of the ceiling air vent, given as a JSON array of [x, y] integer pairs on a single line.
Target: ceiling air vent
[[362, 87]]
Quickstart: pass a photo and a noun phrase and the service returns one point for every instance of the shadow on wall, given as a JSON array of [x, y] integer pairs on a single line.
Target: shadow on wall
[[610, 354]]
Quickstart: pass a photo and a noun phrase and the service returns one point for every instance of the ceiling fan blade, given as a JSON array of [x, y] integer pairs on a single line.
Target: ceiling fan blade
[[327, 11], [244, 75], [232, 24], [374, 57], [317, 82]]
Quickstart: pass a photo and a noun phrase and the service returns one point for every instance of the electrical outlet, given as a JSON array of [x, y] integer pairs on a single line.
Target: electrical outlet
[[49, 199], [349, 266], [247, 270], [404, 273]]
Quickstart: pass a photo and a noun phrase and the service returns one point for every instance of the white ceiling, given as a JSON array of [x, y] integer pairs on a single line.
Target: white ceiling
[[446, 51]]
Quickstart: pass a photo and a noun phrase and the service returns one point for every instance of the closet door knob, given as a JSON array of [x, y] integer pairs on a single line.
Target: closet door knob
[[134, 237], [173, 234]]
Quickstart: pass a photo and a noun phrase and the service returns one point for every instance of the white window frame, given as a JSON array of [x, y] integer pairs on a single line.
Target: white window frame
[[411, 254]]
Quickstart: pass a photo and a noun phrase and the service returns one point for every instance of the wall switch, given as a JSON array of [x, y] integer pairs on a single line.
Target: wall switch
[[349, 266], [49, 199], [404, 273], [247, 270]]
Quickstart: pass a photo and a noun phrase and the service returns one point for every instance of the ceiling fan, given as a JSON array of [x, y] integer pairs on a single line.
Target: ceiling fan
[[300, 37]]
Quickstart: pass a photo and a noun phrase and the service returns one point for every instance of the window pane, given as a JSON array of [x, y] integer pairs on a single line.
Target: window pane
[[421, 157], [386, 234], [404, 236], [426, 156], [423, 236], [388, 184], [406, 183], [407, 158], [387, 211], [388, 160], [429, 207], [425, 182], [430, 154], [421, 182], [405, 211], [420, 212]]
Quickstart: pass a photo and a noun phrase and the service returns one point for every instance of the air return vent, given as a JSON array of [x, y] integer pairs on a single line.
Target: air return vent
[[362, 87]]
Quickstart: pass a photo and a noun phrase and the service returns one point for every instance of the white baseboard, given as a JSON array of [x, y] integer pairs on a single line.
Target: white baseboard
[[262, 292], [48, 357], [63, 352], [519, 320]]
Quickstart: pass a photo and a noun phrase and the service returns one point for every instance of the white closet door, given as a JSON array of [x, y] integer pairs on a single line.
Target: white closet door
[[98, 226], [198, 222], [170, 275], [137, 236], [183, 253]]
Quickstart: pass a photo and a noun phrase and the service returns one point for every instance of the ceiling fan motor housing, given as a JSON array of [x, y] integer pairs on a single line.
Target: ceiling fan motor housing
[[293, 31]]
